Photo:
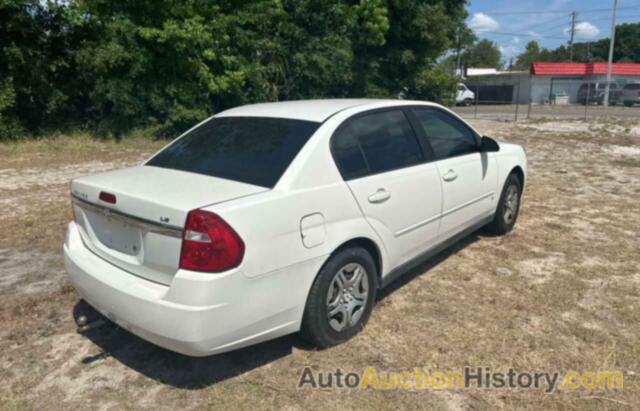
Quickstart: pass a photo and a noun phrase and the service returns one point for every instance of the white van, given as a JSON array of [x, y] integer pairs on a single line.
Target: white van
[[464, 96]]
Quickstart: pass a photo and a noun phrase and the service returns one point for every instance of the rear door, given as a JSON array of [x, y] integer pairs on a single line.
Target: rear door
[[469, 177], [398, 192]]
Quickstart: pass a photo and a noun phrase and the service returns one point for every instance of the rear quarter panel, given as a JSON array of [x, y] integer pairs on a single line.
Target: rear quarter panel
[[270, 225]]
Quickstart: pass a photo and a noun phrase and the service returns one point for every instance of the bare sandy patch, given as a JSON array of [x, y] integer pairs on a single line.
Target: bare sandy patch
[[631, 151], [29, 272]]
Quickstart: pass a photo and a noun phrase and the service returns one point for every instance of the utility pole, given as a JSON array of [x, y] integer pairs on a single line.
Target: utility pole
[[459, 52], [573, 31], [610, 63]]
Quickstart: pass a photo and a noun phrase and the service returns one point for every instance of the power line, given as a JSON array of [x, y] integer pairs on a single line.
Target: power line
[[549, 31], [633, 16], [500, 33], [504, 13], [544, 23]]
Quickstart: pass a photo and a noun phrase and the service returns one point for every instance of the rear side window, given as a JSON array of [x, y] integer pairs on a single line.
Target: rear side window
[[448, 136], [387, 140], [374, 143], [253, 150], [634, 86], [348, 155]]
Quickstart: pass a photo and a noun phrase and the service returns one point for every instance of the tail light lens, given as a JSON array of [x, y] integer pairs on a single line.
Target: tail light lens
[[107, 197], [209, 244]]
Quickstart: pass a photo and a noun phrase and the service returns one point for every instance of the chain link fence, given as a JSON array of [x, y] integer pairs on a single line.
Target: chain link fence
[[520, 96]]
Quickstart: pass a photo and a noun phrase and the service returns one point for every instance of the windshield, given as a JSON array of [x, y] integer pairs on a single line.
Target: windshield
[[253, 150]]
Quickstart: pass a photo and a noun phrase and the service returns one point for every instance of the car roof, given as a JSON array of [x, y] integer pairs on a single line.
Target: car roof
[[309, 110]]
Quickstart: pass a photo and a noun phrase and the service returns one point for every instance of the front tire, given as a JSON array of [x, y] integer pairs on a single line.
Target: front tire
[[341, 298], [508, 206], [467, 102]]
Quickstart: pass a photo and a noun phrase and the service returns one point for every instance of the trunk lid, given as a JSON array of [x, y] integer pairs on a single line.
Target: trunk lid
[[142, 232]]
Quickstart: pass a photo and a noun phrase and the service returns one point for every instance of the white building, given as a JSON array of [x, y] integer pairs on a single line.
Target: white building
[[544, 81]]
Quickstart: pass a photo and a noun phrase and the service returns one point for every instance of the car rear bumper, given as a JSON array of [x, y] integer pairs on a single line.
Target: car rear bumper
[[198, 314]]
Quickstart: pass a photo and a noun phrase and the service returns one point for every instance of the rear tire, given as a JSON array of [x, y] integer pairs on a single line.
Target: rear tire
[[628, 104], [341, 298], [508, 206]]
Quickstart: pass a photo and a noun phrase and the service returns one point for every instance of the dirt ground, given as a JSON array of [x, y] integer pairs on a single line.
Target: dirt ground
[[561, 292]]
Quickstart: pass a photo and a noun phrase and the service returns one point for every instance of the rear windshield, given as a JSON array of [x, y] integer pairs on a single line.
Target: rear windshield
[[253, 150]]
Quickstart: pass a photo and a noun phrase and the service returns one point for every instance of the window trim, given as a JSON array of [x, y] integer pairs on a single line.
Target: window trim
[[347, 122]]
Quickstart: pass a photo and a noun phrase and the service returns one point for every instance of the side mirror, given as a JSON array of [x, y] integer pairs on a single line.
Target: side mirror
[[489, 145]]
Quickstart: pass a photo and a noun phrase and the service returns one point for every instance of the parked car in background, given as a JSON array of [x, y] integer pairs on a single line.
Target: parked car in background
[[464, 96], [593, 93], [631, 94], [274, 218]]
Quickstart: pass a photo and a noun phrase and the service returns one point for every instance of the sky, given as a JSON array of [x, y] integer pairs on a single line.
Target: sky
[[511, 24]]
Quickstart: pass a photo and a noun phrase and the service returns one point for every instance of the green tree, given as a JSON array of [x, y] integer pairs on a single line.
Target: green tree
[[532, 53], [166, 64], [626, 49], [40, 87], [484, 53]]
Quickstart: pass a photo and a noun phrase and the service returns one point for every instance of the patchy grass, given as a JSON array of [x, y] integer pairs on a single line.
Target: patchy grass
[[627, 162], [561, 292]]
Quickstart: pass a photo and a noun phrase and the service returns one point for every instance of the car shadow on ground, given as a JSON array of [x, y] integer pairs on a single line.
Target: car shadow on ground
[[430, 263], [175, 369], [185, 372]]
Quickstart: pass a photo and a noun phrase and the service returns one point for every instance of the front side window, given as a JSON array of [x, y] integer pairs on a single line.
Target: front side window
[[448, 136], [253, 150]]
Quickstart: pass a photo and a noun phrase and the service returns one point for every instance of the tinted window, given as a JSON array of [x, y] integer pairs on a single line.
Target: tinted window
[[634, 86], [447, 135], [254, 150], [348, 154], [387, 140]]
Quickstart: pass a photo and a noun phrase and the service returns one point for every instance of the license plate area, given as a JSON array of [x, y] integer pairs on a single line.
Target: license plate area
[[115, 234]]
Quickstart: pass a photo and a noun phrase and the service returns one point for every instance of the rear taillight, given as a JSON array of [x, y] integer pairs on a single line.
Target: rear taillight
[[209, 244]]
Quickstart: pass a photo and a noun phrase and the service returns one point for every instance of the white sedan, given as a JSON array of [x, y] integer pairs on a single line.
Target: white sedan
[[269, 219]]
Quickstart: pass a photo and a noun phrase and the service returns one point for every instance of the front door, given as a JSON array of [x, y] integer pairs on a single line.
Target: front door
[[469, 177]]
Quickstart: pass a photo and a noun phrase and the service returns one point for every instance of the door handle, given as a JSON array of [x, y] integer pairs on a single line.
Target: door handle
[[379, 196], [450, 176]]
